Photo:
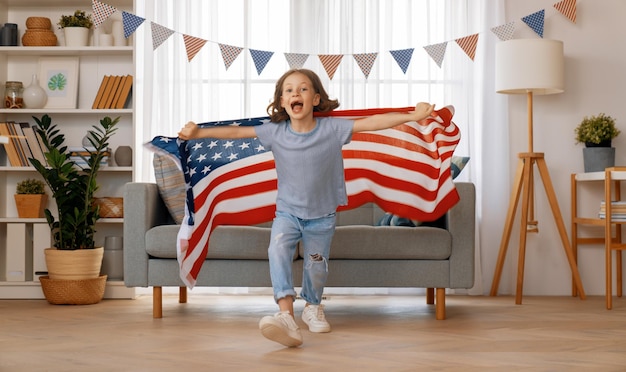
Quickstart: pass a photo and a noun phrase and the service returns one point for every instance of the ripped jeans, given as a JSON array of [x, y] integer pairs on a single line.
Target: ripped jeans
[[316, 235]]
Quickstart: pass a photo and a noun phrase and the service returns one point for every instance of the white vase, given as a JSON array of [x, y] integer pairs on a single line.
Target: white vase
[[76, 36], [34, 95], [117, 30]]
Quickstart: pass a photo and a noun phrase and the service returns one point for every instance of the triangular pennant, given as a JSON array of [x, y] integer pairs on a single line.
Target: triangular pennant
[[193, 45], [567, 8], [504, 32], [468, 44], [131, 22], [101, 12], [229, 53], [159, 34], [535, 21], [437, 52], [403, 57], [330, 63], [365, 62], [260, 58], [296, 60]]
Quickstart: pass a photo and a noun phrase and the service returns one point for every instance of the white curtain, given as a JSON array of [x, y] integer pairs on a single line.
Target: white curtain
[[172, 90]]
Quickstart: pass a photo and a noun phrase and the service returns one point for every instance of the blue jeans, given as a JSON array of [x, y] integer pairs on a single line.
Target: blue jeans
[[316, 235]]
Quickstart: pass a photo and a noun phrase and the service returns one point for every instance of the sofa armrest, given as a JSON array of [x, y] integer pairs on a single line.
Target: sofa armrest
[[143, 210], [462, 226]]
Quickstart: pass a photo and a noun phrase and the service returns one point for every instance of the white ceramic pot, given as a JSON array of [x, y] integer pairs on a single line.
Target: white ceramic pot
[[34, 95], [76, 36]]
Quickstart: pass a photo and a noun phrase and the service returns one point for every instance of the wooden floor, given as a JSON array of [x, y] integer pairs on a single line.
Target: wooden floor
[[372, 333]]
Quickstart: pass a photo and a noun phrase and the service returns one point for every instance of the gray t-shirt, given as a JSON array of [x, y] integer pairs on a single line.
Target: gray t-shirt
[[311, 181]]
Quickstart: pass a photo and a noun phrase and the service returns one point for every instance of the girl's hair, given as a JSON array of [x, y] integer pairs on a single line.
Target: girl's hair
[[278, 113]]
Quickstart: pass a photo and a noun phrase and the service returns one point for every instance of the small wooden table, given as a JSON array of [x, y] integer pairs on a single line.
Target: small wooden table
[[612, 237]]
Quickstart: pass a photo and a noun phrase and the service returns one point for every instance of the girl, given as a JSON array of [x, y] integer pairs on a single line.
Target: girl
[[311, 185]]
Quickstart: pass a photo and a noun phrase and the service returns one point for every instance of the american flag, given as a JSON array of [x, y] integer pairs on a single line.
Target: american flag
[[405, 170]]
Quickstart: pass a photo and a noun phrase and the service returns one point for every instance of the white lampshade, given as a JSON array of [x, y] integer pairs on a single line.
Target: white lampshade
[[530, 65]]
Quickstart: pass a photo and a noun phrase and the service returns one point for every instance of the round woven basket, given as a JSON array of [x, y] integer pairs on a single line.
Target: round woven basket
[[73, 292], [40, 23], [39, 38], [110, 207]]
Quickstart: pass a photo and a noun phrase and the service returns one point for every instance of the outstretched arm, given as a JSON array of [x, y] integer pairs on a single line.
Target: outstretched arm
[[192, 131], [391, 119]]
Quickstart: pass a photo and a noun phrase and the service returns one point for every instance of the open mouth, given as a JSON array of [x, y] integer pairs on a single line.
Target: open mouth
[[296, 106]]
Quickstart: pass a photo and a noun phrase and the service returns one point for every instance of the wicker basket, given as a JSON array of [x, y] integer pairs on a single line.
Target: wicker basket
[[110, 207], [39, 38], [73, 292], [38, 23]]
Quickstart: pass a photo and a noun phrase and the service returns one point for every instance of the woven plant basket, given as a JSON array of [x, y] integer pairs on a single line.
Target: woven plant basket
[[110, 207], [39, 38], [73, 292]]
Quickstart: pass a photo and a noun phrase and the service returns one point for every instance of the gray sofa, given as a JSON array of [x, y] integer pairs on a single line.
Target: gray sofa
[[362, 254]]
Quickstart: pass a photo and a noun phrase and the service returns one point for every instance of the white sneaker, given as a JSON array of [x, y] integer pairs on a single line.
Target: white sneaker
[[281, 328], [313, 316]]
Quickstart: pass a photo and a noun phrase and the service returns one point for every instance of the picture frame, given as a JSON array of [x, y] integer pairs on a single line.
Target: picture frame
[[58, 76]]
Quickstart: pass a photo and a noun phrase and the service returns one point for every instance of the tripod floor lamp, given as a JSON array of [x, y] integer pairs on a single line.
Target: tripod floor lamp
[[531, 67]]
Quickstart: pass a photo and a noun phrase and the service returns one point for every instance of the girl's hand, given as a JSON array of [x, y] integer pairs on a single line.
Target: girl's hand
[[189, 131], [423, 110]]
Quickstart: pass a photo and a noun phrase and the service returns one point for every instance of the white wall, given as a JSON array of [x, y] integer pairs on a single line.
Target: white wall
[[595, 73]]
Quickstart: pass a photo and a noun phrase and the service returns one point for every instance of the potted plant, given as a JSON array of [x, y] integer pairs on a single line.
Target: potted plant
[[597, 133], [30, 198], [76, 28], [73, 187]]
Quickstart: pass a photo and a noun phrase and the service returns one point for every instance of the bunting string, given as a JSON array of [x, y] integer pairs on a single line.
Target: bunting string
[[330, 62]]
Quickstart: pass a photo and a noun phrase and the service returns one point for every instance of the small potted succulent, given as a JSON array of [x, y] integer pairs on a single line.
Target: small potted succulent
[[30, 198], [597, 133], [76, 28]]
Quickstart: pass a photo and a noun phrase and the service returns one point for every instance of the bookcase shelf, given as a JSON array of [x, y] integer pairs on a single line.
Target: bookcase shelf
[[19, 63]]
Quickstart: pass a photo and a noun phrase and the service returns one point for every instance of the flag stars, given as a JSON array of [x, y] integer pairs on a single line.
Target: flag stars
[[197, 146], [216, 156], [244, 146], [228, 144], [232, 157], [192, 171], [166, 139], [260, 148], [206, 169], [212, 144], [201, 158]]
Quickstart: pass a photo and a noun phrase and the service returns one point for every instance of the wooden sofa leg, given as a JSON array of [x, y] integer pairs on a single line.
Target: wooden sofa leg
[[440, 305], [430, 296], [182, 295], [157, 302]]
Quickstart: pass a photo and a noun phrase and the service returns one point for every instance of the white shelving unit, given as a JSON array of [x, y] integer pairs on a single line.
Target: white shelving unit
[[19, 63]]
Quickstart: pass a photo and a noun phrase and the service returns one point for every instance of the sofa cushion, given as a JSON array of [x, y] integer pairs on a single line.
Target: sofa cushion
[[390, 243], [171, 184], [227, 242]]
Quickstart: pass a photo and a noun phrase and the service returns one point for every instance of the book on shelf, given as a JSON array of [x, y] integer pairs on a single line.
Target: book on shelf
[[618, 210], [103, 84], [32, 139], [10, 148], [122, 100], [110, 94], [19, 142]]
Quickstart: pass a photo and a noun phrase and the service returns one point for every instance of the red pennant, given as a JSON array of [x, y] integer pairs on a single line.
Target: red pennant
[[468, 44], [193, 45], [330, 63]]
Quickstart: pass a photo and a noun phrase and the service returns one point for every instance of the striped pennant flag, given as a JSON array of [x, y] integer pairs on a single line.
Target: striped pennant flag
[[567, 8], [330, 63], [504, 32], [296, 60], [193, 45], [468, 44], [229, 53], [403, 57], [535, 21], [437, 52], [365, 62], [101, 12], [131, 22], [260, 58], [159, 34]]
